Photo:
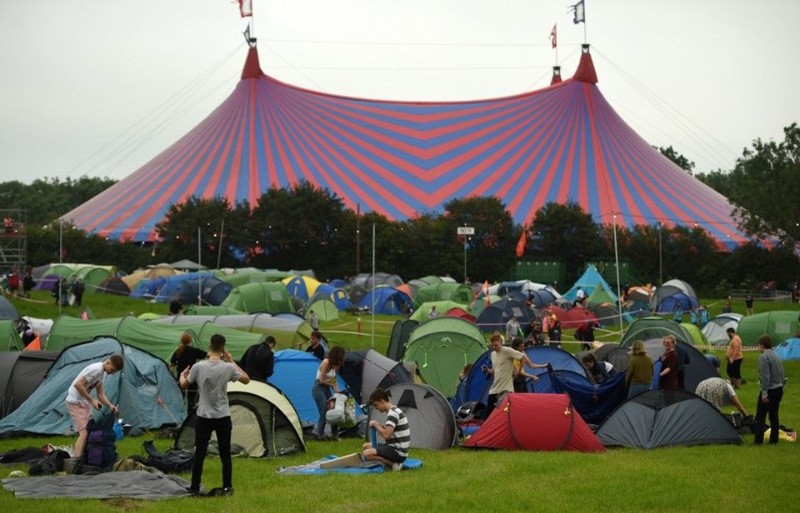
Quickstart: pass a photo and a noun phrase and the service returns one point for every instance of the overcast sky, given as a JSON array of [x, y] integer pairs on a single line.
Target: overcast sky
[[100, 88]]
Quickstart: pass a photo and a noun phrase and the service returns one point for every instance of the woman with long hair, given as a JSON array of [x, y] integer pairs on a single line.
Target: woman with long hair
[[186, 355], [325, 386]]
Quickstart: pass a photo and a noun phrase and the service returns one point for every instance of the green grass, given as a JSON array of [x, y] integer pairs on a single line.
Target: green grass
[[708, 478]]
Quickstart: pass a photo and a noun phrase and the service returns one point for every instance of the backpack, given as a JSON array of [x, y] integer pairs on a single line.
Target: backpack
[[101, 444], [49, 464], [172, 461]]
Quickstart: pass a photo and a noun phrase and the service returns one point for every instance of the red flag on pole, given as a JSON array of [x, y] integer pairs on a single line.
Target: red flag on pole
[[246, 8], [523, 238], [553, 37]]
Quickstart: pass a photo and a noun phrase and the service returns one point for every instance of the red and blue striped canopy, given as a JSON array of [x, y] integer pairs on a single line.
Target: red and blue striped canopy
[[558, 144]]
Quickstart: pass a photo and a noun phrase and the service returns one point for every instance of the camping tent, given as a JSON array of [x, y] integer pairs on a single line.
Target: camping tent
[[366, 370], [301, 286], [324, 308], [789, 349], [441, 347], [265, 424], [495, 316], [9, 336], [588, 281], [698, 368], [7, 310], [210, 289], [535, 422], [660, 418], [593, 401], [288, 329], [172, 285], [339, 296], [155, 338], [445, 291], [294, 374], [401, 331], [149, 273], [270, 297], [716, 330], [146, 392], [21, 372], [686, 296], [698, 339], [423, 310], [432, 422], [475, 386], [370, 281], [386, 300], [115, 286], [187, 265], [652, 328], [575, 317], [779, 324]]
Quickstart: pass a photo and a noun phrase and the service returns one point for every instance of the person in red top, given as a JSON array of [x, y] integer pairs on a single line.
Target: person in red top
[[668, 378]]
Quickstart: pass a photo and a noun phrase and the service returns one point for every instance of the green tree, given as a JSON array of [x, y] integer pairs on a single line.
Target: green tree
[[767, 188], [298, 228], [566, 233], [679, 160]]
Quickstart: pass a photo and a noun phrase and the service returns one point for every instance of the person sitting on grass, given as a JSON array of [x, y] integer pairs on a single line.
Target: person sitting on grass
[[395, 432]]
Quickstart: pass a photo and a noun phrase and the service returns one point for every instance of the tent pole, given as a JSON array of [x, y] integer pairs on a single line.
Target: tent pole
[[616, 259], [219, 249], [373, 285], [199, 264]]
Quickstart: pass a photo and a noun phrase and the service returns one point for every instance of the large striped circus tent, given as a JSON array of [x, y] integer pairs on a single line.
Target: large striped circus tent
[[563, 143]]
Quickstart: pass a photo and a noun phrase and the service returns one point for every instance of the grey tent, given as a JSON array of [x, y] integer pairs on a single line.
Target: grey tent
[[21, 372], [147, 394], [265, 423], [7, 310], [364, 371], [430, 418], [662, 418], [401, 332]]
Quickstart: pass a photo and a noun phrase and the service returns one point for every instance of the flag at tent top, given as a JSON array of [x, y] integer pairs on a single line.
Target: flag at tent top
[[246, 8], [579, 12]]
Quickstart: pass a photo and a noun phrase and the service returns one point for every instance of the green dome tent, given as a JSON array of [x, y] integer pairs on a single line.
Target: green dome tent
[[325, 309], [92, 276], [270, 297], [648, 328], [421, 313], [441, 347], [780, 325], [445, 291], [288, 329], [9, 337], [698, 339]]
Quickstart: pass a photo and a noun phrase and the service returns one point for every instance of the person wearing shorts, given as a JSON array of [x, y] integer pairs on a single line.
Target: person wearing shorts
[[395, 432], [735, 357], [80, 402]]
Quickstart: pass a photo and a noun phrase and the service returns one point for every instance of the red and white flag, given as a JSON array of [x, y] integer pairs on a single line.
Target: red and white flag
[[554, 37], [246, 8]]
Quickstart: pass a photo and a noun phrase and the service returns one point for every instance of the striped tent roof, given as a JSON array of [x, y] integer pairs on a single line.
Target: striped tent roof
[[558, 144]]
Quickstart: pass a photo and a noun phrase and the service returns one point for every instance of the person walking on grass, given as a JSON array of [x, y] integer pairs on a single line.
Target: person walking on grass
[[771, 377], [213, 411]]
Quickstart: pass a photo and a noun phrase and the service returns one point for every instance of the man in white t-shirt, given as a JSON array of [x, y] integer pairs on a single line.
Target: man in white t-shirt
[[80, 401], [503, 369]]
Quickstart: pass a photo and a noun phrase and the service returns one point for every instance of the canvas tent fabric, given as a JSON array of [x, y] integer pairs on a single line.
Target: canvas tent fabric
[[172, 284], [7, 311], [366, 370], [431, 421], [269, 297], [441, 347], [265, 423], [147, 394], [535, 422], [386, 300], [370, 281], [21, 372], [294, 375], [664, 418], [445, 291], [288, 330], [520, 149], [113, 285], [156, 271], [9, 336], [475, 386], [779, 324], [594, 402], [716, 329], [324, 308], [423, 310], [698, 339], [589, 280], [698, 369], [575, 316], [652, 328], [788, 350], [301, 286], [158, 339], [675, 302], [338, 295], [401, 331], [495, 316]]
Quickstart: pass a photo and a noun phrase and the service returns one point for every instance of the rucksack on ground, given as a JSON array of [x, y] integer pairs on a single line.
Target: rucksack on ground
[[170, 462], [101, 444]]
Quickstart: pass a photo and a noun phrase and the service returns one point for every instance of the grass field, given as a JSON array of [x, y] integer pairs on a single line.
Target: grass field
[[708, 478]]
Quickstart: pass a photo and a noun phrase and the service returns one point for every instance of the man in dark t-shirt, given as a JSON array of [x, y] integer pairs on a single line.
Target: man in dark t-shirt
[[259, 361]]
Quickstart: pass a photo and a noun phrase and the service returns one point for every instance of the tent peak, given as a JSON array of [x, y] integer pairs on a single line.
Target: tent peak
[[556, 75], [252, 68], [585, 71]]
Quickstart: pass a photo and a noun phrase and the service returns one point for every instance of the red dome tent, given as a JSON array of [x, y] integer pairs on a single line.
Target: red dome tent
[[557, 144], [535, 422]]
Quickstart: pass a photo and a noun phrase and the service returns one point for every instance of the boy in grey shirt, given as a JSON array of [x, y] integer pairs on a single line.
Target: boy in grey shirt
[[770, 377]]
